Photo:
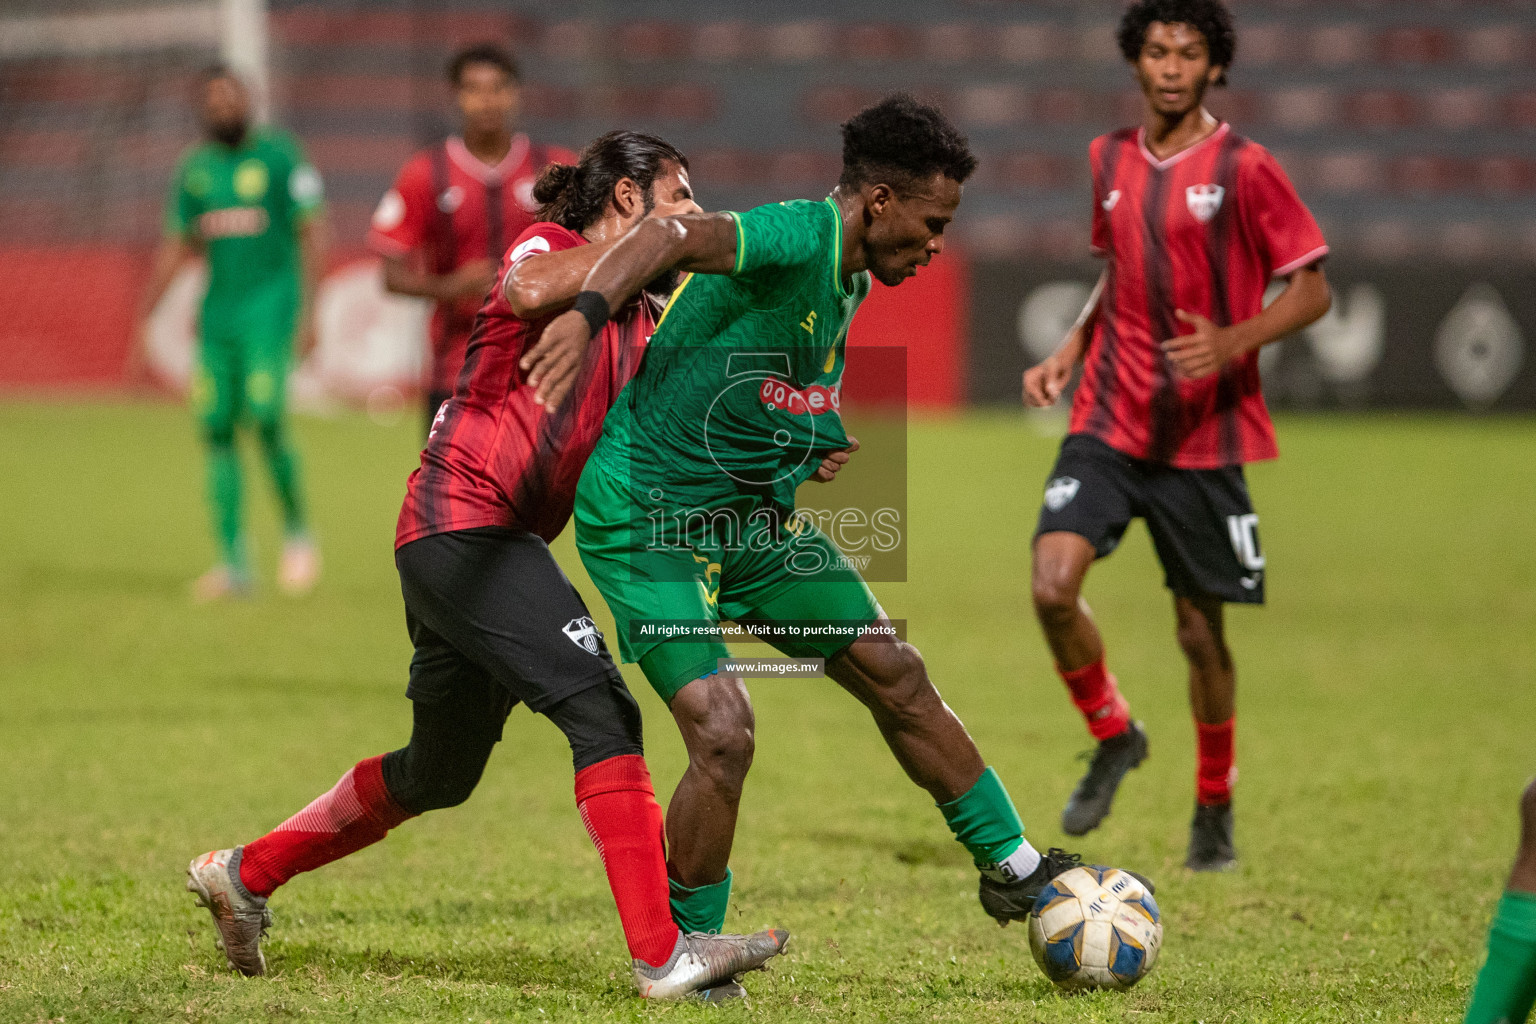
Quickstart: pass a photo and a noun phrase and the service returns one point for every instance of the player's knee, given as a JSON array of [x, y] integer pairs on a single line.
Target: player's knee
[[1201, 644], [419, 790], [723, 745], [905, 692], [600, 722], [1055, 593], [1528, 807], [219, 432], [269, 428]]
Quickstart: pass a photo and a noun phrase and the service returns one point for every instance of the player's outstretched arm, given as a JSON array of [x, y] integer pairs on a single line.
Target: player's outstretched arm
[[314, 240], [173, 252], [1205, 351], [704, 243], [544, 282], [1045, 381], [469, 281]]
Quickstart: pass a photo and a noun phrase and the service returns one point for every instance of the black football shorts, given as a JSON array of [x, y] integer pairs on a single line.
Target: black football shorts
[[1201, 520], [491, 606]]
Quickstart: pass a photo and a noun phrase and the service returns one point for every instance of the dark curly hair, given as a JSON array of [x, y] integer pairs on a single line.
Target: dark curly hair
[[900, 142], [1208, 17], [575, 195], [482, 53]]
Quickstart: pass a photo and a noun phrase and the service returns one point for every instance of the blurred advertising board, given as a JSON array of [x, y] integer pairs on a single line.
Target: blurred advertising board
[[1422, 336]]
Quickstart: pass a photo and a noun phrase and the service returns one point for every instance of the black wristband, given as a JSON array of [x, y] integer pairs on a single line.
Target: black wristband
[[594, 307]]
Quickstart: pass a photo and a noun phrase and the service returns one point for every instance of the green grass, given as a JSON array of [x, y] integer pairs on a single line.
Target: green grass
[[1385, 731]]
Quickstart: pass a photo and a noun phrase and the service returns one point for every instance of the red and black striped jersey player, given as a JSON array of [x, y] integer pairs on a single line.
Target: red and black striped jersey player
[[1193, 221], [493, 620]]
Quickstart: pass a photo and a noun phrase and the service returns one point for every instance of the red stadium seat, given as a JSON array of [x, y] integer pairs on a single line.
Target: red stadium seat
[[652, 40], [801, 40], [724, 41], [878, 41]]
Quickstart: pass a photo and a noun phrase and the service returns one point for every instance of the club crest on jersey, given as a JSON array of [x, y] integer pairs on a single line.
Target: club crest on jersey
[[1060, 492], [1204, 201], [583, 633], [451, 199]]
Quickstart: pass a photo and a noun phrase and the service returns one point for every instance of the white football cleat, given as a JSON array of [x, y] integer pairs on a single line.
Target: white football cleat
[[299, 568], [702, 961], [241, 918], [221, 583]]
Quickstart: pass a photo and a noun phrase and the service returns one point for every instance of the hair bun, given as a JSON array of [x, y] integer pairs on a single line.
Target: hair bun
[[554, 181]]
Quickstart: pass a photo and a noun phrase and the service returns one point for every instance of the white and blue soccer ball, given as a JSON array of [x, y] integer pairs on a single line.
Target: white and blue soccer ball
[[1095, 927]]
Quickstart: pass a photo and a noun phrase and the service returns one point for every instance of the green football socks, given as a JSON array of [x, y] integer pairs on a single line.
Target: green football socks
[[283, 464], [224, 497], [985, 822], [1506, 986], [701, 909]]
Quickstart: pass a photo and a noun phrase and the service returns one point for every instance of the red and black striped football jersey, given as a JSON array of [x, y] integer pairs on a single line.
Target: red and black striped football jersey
[[497, 458], [1203, 231]]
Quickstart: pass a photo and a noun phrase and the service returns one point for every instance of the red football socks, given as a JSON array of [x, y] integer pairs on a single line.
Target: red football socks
[[1096, 696], [356, 812], [1216, 772], [619, 808]]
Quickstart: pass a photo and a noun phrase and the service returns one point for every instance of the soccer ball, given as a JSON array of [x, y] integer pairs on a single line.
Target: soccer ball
[[1095, 927]]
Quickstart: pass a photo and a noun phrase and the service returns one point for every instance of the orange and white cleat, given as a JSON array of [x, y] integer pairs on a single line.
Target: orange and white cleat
[[221, 583], [241, 917], [703, 962], [299, 569]]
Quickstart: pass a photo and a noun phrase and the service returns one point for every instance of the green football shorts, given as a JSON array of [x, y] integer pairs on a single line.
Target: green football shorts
[[668, 599]]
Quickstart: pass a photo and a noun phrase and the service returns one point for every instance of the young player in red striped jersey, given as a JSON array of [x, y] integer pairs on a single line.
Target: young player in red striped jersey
[[1193, 221], [493, 620], [456, 207]]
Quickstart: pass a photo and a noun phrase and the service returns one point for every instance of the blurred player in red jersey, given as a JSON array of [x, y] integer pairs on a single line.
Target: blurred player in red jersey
[[444, 226], [1193, 221], [493, 620]]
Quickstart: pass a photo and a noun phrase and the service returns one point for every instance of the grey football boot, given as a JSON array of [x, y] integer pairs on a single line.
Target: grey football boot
[[702, 961], [1112, 759], [240, 917]]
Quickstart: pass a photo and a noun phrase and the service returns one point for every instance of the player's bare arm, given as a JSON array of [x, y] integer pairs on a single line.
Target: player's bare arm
[[314, 239], [1209, 347], [544, 283], [1045, 381], [173, 253], [701, 243], [471, 280]]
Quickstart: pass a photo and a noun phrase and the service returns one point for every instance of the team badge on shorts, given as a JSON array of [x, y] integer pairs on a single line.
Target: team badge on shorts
[[583, 633], [1060, 492]]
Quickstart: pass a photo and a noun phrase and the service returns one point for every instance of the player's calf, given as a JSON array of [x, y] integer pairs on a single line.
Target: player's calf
[[1523, 875], [890, 678]]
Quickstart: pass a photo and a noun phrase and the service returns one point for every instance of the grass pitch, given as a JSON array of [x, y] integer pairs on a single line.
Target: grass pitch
[[1385, 729]]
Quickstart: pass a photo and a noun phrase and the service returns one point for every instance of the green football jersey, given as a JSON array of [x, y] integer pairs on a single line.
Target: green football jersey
[[245, 205], [737, 400]]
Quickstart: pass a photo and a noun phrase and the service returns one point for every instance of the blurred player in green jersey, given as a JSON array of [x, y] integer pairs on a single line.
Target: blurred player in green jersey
[[1506, 986], [247, 201], [685, 513]]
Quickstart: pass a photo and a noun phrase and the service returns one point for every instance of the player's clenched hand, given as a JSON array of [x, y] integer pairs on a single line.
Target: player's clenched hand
[[553, 363], [1045, 381], [834, 462], [1199, 354]]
